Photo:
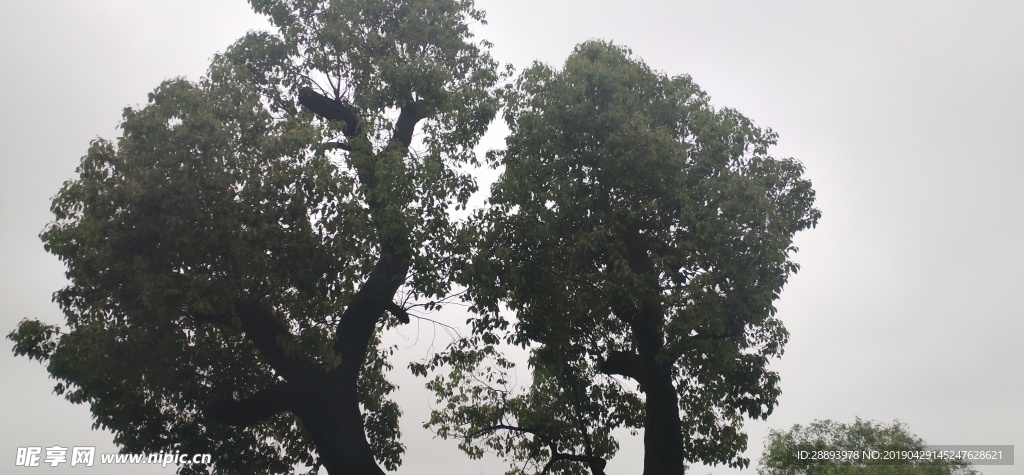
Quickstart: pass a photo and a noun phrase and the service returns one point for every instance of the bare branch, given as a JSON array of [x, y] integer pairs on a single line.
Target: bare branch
[[435, 322]]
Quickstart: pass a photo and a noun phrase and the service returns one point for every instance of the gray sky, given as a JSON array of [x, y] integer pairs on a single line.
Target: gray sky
[[907, 115]]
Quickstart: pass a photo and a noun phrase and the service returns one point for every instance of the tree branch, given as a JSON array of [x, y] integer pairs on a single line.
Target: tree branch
[[623, 363], [358, 322], [337, 145], [334, 110], [330, 109], [398, 312], [261, 406], [268, 332], [499, 427], [596, 464], [411, 114]]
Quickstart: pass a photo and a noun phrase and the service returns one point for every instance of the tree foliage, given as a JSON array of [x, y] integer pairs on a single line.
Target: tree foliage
[[782, 448], [637, 233], [234, 254]]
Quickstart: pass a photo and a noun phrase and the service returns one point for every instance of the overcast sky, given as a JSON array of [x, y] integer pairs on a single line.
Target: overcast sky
[[907, 115]]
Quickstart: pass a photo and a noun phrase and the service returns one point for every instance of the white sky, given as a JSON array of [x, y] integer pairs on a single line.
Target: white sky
[[908, 116]]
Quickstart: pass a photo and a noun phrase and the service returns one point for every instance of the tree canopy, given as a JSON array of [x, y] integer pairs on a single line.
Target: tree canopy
[[233, 256], [641, 237], [782, 449]]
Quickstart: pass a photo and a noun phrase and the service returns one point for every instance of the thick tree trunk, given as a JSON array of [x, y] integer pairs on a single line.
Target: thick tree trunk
[[663, 441], [331, 415], [325, 402], [335, 419]]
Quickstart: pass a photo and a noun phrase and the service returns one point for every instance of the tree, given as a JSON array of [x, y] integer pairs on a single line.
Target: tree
[[782, 449], [561, 425], [234, 255], [637, 233]]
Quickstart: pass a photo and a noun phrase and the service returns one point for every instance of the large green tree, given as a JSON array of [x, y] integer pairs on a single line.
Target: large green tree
[[234, 255], [641, 238], [782, 451]]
